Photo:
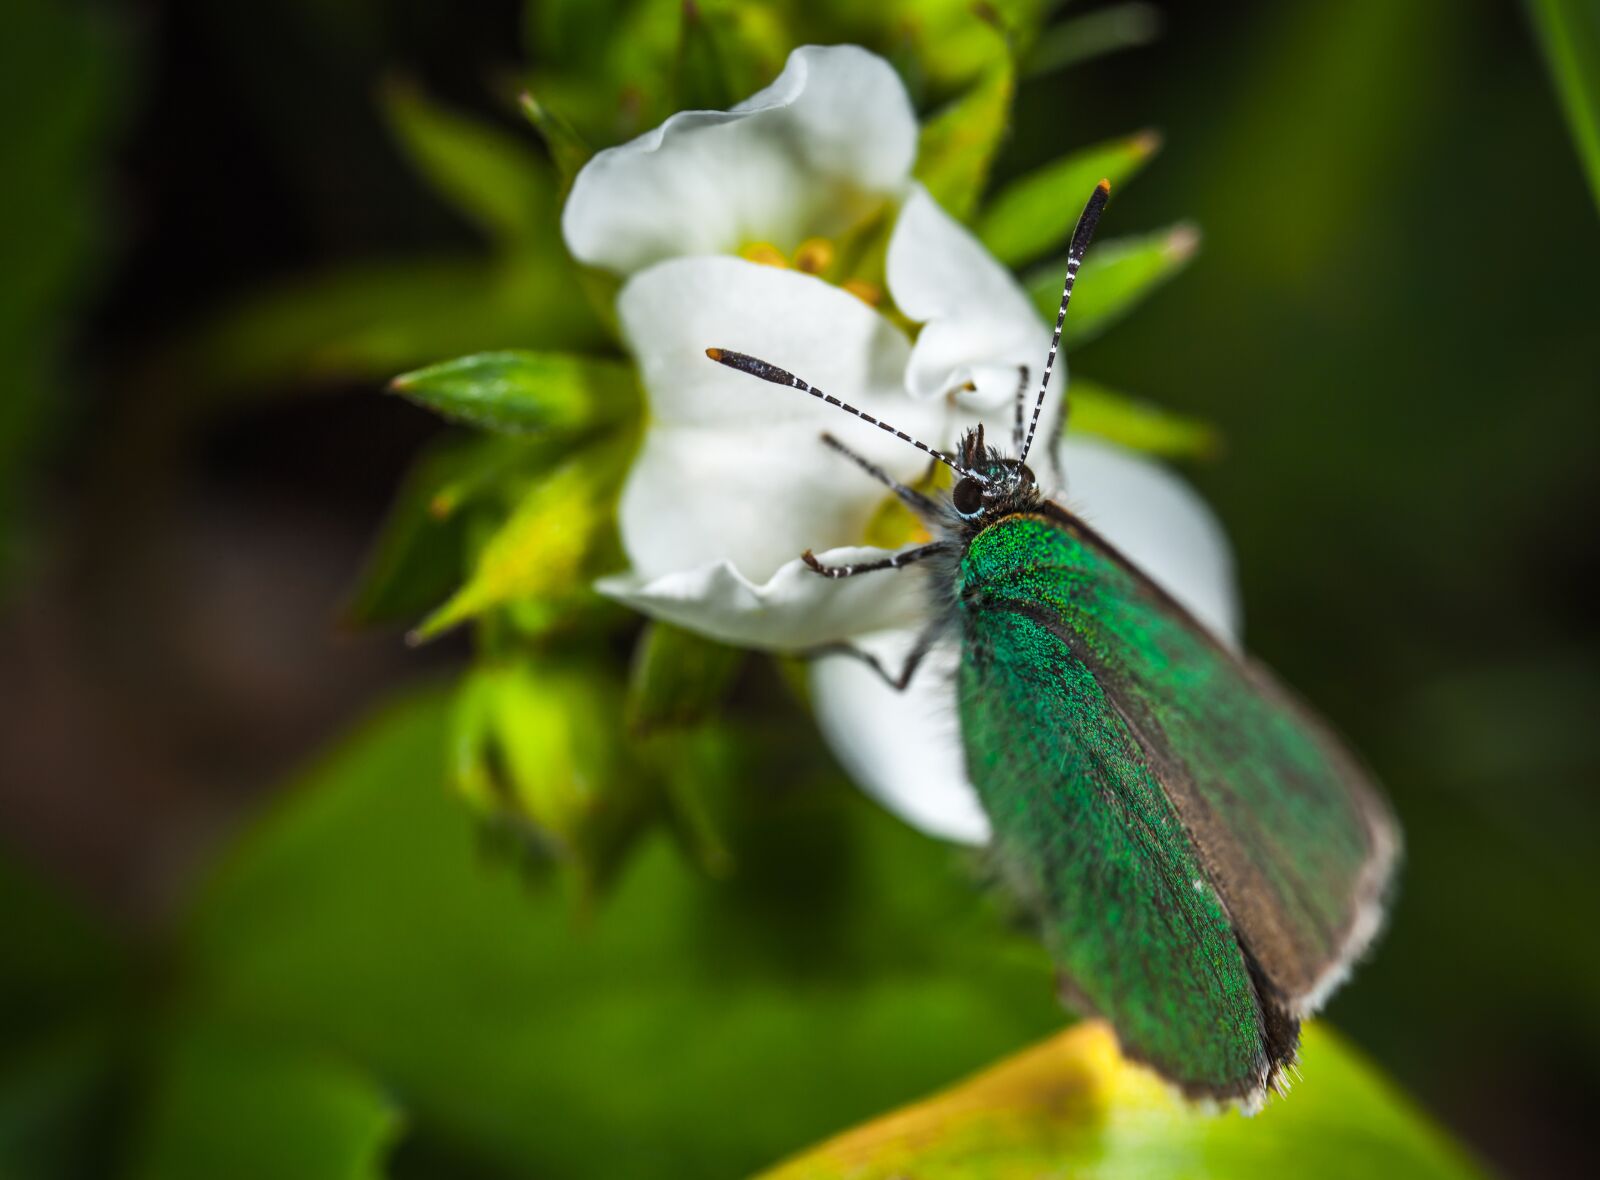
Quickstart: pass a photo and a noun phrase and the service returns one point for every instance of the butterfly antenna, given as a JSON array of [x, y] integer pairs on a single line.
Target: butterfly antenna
[[1075, 253], [769, 372]]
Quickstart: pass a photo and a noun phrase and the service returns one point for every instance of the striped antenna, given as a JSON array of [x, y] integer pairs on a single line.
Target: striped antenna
[[769, 372], [1075, 253]]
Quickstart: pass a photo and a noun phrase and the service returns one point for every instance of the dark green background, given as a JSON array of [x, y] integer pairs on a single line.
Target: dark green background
[[1393, 321]]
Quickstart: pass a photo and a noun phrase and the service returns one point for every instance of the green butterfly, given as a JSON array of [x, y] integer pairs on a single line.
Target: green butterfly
[[1205, 858]]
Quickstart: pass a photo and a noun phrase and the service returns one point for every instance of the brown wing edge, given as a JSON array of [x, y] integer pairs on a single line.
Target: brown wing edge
[[1375, 883]]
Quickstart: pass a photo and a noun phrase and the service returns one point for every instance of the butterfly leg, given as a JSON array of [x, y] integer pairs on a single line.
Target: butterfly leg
[[913, 498], [893, 562], [919, 651]]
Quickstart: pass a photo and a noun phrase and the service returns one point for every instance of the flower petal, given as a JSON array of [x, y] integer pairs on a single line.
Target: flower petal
[[794, 610], [733, 468], [979, 324], [1158, 523], [809, 155], [904, 749]]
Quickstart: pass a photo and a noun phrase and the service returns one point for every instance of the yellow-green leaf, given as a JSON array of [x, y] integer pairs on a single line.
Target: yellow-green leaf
[[540, 553], [1037, 212], [1073, 1106], [958, 145], [1140, 426], [1116, 277], [519, 392]]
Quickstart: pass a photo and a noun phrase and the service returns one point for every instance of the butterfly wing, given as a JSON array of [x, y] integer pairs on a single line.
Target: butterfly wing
[[1207, 859]]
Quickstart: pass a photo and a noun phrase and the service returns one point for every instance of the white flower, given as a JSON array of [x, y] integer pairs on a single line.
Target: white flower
[[732, 482]]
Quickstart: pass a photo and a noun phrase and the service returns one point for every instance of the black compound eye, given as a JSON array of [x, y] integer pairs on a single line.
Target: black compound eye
[[968, 497]]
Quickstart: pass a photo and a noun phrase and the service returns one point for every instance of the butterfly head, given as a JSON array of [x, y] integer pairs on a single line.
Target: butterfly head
[[990, 484]]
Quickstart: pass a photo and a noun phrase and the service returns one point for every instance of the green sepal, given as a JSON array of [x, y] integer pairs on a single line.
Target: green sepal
[[678, 677], [1116, 277], [530, 393], [536, 744], [957, 146], [493, 179], [1037, 212], [1137, 425], [415, 560], [542, 556]]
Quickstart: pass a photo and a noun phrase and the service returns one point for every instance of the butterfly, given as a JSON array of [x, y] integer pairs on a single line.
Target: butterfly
[[1205, 858]]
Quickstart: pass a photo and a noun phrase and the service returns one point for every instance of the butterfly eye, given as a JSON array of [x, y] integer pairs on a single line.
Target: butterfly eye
[[968, 497]]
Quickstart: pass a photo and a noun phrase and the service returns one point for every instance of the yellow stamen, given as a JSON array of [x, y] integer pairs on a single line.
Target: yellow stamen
[[814, 256], [869, 293], [765, 253]]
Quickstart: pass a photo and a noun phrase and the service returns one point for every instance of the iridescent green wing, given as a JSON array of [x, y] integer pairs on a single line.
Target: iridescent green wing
[[1123, 754]]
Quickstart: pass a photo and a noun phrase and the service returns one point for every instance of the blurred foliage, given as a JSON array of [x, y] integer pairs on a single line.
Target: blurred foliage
[[709, 940], [1569, 31], [51, 219]]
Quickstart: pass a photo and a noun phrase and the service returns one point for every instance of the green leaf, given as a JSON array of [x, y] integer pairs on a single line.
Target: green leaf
[[958, 145], [1569, 33], [540, 556], [1094, 34], [495, 180], [361, 916], [1116, 277], [679, 678], [1038, 212], [1093, 409], [241, 1105], [1074, 1106], [518, 392]]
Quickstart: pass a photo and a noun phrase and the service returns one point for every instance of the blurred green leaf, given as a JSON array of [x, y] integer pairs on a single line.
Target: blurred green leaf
[[958, 145], [678, 677], [700, 83], [520, 392], [61, 995], [494, 179], [567, 149], [359, 917], [540, 554], [1093, 409], [1569, 33], [246, 1106], [1116, 276], [1094, 34], [1038, 212], [63, 74], [1074, 1106], [368, 321]]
